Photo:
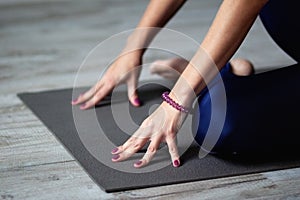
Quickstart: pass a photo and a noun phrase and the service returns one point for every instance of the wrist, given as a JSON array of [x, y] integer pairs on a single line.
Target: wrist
[[129, 58], [165, 96], [135, 45], [172, 113], [135, 53], [183, 98], [187, 87]]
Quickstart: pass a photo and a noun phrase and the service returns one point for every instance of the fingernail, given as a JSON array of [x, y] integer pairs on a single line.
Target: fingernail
[[137, 101], [115, 157], [115, 150], [83, 106], [138, 162], [74, 101], [176, 163]]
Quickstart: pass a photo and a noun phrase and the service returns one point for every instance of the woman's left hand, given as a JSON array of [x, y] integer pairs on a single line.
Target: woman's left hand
[[161, 126]]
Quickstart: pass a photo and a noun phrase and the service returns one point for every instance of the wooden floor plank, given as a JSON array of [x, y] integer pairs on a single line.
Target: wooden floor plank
[[63, 180], [21, 147], [25, 141], [262, 186]]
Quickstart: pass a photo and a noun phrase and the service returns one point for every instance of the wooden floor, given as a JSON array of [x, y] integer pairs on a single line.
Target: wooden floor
[[42, 45]]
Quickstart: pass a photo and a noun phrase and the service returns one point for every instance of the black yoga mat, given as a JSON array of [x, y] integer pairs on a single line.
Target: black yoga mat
[[90, 135]]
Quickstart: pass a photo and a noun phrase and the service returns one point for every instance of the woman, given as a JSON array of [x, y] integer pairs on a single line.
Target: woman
[[242, 126]]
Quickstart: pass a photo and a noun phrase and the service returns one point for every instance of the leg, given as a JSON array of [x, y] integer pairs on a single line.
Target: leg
[[262, 113], [172, 68], [241, 67]]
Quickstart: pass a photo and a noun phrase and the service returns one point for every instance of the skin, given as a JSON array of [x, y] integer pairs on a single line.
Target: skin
[[173, 68], [229, 28]]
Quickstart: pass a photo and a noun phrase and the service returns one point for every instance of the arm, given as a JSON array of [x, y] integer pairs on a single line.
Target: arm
[[158, 12], [126, 67], [228, 30], [156, 15]]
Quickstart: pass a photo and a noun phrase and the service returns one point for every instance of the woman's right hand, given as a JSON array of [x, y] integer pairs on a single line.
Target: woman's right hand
[[125, 70]]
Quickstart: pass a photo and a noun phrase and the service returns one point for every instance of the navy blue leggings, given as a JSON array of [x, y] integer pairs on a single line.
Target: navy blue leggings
[[262, 113]]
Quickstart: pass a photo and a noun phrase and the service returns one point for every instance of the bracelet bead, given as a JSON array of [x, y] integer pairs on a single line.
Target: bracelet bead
[[165, 96]]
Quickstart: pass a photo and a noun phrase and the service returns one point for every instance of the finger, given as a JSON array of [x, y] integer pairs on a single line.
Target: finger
[[87, 95], [126, 152], [98, 96], [151, 151], [132, 91], [134, 99], [121, 148], [173, 150], [141, 133]]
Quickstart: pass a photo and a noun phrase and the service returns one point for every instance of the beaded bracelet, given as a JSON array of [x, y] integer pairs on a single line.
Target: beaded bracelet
[[166, 98]]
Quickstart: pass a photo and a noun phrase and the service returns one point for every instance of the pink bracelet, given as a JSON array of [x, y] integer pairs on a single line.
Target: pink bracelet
[[166, 98]]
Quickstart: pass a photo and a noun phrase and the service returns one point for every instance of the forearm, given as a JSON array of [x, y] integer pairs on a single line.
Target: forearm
[[230, 27], [156, 15], [228, 30]]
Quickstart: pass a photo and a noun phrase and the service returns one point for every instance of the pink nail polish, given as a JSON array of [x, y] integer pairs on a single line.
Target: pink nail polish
[[74, 101], [115, 157], [176, 163], [137, 101], [138, 162], [115, 150]]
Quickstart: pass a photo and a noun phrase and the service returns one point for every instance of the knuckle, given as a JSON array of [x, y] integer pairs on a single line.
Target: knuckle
[[97, 86], [131, 140], [137, 146], [151, 149], [171, 133], [172, 150], [97, 96], [127, 152], [110, 82], [124, 155]]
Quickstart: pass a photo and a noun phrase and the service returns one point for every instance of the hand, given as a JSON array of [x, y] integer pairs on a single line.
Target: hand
[[161, 126], [126, 69]]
